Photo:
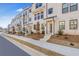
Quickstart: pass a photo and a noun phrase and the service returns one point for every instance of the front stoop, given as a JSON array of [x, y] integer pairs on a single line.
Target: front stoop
[[46, 37]]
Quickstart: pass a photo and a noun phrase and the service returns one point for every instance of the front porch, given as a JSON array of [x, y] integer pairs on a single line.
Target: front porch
[[49, 29]]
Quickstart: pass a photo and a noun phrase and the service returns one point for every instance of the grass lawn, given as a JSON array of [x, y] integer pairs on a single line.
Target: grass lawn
[[67, 40]]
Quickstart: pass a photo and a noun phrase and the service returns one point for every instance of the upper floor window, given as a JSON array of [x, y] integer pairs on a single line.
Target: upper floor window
[[65, 7], [69, 7], [35, 16], [42, 15], [25, 22], [26, 13], [29, 19], [23, 16], [38, 16], [38, 5], [30, 11], [73, 6], [50, 10]]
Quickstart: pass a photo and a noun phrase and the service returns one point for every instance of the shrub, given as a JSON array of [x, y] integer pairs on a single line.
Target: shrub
[[65, 37], [60, 32], [31, 32], [43, 32], [71, 44]]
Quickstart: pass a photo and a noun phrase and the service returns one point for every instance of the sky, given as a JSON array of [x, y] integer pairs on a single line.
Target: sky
[[10, 10]]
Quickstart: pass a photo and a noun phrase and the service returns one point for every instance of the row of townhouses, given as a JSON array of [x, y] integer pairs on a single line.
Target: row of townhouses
[[47, 18]]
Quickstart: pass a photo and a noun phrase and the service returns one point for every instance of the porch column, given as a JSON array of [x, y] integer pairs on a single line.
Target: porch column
[[46, 29]]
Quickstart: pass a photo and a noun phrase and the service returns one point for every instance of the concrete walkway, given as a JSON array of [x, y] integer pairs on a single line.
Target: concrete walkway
[[64, 50]]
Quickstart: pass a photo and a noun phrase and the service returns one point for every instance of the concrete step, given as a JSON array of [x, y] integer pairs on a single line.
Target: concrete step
[[46, 37]]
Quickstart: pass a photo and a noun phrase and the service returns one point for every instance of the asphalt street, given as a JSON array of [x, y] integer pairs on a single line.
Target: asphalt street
[[9, 49]]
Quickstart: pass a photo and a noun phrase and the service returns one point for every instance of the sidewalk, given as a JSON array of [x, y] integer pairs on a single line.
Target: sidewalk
[[64, 50], [30, 51]]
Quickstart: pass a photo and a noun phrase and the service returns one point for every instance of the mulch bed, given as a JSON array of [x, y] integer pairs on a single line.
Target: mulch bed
[[36, 36], [67, 40]]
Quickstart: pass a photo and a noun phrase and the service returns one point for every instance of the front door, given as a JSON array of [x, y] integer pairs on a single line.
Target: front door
[[43, 28], [50, 26], [38, 27]]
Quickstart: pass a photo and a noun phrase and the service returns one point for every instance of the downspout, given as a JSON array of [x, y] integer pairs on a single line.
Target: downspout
[[46, 16], [46, 9], [53, 26], [23, 23]]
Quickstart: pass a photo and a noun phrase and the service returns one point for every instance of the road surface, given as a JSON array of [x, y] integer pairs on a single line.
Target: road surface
[[9, 49]]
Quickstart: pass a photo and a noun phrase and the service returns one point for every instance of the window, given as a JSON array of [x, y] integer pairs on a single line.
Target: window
[[34, 27], [73, 24], [38, 5], [30, 11], [61, 25], [25, 22], [42, 15], [73, 6], [35, 16], [26, 13], [65, 7], [29, 19], [42, 27], [23, 16], [50, 10], [38, 16], [23, 28]]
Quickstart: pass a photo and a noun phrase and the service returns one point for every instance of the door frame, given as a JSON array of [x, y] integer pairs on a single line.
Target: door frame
[[48, 26]]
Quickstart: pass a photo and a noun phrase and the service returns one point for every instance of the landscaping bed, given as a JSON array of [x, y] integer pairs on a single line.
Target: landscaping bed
[[36, 36], [67, 40]]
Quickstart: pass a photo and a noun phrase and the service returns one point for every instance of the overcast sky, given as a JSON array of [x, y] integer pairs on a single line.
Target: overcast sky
[[9, 10]]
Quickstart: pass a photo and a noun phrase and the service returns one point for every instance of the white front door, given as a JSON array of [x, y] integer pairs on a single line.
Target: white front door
[[49, 27]]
